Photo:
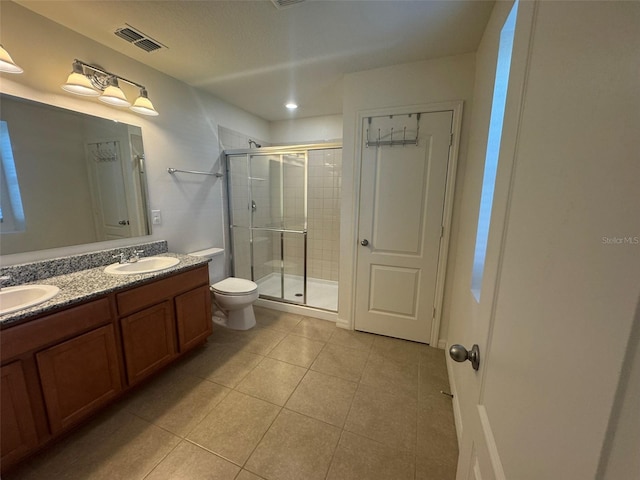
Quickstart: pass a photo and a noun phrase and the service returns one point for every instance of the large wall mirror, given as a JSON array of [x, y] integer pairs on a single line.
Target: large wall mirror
[[67, 178]]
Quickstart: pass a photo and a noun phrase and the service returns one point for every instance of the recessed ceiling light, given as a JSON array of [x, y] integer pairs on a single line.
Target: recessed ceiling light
[[291, 106]]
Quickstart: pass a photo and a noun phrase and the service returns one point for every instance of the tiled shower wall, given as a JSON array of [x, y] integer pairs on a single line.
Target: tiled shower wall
[[323, 216], [323, 213]]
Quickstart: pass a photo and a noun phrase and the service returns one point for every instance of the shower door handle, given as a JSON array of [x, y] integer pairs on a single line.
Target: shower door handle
[[364, 242], [254, 207]]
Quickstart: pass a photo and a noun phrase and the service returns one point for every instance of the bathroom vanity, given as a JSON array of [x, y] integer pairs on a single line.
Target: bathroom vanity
[[63, 362]]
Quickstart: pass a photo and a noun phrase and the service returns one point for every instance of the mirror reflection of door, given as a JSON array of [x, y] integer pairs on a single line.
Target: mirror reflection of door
[[49, 148], [108, 190]]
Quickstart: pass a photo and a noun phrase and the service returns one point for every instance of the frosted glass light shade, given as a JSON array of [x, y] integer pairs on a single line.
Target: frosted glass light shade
[[6, 62], [80, 85], [113, 95], [143, 105]]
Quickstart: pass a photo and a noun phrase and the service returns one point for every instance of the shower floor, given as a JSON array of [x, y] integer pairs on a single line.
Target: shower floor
[[320, 293]]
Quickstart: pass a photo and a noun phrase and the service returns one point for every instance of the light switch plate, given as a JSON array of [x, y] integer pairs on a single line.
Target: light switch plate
[[156, 217]]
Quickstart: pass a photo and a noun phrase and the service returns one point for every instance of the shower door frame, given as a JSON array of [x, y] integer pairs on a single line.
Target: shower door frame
[[281, 151]]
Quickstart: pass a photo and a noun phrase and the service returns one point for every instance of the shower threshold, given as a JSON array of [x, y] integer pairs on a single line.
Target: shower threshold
[[320, 293]]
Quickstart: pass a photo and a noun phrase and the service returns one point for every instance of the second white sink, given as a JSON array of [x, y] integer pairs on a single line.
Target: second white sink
[[144, 265], [13, 299]]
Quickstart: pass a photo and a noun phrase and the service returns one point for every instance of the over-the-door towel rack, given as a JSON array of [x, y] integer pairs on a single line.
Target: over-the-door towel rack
[[174, 170], [391, 142]]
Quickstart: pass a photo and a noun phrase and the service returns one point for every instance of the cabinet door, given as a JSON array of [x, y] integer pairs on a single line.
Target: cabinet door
[[193, 311], [79, 376], [149, 340], [18, 434]]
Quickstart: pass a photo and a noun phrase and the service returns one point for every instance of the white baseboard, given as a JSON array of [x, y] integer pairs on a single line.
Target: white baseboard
[[342, 323]]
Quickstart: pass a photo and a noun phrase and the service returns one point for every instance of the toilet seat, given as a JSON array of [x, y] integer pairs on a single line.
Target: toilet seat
[[234, 286]]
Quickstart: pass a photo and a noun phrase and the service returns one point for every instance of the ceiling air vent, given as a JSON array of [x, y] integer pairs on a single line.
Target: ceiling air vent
[[138, 38], [285, 3]]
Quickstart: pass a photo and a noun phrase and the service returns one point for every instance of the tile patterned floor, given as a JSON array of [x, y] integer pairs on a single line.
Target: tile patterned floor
[[293, 399]]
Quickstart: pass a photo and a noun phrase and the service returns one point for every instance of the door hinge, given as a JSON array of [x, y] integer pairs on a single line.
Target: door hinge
[[451, 139], [434, 313], [441, 231]]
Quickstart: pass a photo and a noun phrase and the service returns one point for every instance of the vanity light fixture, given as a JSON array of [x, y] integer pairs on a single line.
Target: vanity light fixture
[[89, 80], [79, 83], [113, 95], [7, 64], [143, 105]]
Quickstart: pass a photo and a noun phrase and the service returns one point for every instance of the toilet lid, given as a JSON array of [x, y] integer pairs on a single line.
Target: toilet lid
[[234, 286]]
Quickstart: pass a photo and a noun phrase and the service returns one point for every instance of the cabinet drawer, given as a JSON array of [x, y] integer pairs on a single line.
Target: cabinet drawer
[[52, 328], [158, 291]]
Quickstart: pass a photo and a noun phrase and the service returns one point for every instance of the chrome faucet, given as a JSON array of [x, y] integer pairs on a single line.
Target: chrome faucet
[[122, 258], [135, 256]]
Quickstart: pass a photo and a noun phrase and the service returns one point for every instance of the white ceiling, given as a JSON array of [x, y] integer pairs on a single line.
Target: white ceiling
[[258, 57]]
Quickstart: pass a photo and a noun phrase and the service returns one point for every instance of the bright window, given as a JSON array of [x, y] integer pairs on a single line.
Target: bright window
[[493, 148], [11, 212]]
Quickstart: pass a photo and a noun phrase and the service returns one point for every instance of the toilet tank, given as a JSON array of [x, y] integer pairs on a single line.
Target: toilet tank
[[216, 265]]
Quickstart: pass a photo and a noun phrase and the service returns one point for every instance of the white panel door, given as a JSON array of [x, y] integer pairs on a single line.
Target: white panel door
[[555, 317], [402, 196]]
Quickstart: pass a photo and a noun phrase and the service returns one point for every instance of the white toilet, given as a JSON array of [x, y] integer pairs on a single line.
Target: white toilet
[[232, 297]]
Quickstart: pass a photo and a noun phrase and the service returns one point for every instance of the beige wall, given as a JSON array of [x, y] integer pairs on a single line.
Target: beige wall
[[306, 130], [431, 81], [185, 135]]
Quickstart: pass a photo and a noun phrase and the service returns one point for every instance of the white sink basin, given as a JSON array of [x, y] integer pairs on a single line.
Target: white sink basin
[[24, 296], [144, 265]]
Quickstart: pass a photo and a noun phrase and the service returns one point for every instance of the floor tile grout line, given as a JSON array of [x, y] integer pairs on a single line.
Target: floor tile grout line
[[333, 454], [358, 383], [193, 442], [161, 460], [260, 441]]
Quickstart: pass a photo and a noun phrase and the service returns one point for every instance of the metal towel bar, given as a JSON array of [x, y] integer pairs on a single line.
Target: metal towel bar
[[174, 170]]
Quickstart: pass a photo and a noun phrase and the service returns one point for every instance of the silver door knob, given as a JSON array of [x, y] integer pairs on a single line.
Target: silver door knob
[[364, 242], [461, 354]]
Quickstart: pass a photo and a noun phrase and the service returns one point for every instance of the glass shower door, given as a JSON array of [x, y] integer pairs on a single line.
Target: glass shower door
[[239, 214], [294, 221], [277, 191], [268, 218]]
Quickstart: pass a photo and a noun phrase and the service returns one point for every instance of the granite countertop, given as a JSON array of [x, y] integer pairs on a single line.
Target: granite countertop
[[83, 285]]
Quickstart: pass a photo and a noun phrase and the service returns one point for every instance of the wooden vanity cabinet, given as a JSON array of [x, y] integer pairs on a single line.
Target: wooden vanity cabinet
[[163, 319], [193, 317], [18, 435], [60, 368], [56, 371], [149, 340], [79, 376]]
